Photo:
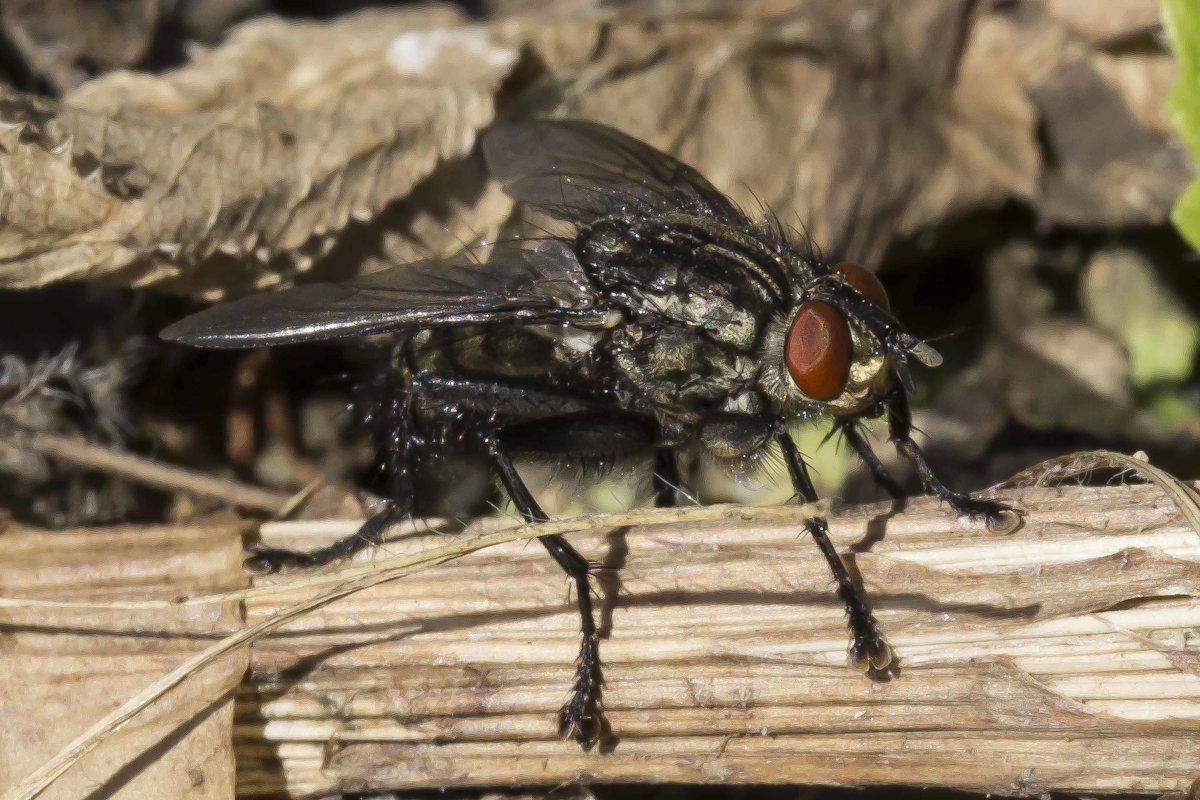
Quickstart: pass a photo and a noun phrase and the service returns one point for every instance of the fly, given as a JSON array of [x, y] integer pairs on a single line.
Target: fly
[[667, 323]]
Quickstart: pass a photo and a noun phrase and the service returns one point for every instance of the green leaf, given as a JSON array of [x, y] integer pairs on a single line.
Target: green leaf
[[1122, 292], [1181, 21]]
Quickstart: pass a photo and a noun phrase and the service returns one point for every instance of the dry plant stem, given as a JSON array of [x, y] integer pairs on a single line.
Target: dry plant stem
[[146, 471], [1064, 644], [1023, 659], [45, 776], [481, 534], [61, 669]]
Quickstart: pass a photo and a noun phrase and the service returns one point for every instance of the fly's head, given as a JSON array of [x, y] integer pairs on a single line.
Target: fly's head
[[838, 350]]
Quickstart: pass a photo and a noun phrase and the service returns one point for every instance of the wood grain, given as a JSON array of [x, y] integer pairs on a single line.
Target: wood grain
[[63, 669], [1061, 657]]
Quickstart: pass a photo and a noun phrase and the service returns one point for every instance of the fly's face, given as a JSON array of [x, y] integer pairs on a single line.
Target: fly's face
[[837, 350]]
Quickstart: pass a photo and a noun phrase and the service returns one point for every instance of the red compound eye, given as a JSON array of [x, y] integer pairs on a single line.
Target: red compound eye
[[818, 350], [864, 281]]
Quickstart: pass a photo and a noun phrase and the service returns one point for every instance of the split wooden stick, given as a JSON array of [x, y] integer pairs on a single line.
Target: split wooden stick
[[1060, 657]]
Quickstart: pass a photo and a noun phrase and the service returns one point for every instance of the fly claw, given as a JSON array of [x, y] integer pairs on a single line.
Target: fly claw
[[871, 654]]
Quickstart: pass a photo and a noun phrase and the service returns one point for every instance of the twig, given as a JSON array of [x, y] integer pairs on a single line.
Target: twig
[[87, 741], [1023, 657], [149, 472]]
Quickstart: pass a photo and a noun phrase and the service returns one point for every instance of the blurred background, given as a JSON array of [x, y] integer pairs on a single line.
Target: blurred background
[[1008, 168]]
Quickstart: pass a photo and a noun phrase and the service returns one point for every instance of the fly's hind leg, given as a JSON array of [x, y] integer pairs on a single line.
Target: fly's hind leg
[[666, 478], [396, 427], [267, 560], [612, 435]]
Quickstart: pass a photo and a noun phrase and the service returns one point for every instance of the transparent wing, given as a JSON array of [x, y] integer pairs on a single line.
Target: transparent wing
[[579, 170], [540, 284]]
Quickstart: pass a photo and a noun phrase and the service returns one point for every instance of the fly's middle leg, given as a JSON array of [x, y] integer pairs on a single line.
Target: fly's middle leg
[[581, 717], [611, 436], [879, 472]]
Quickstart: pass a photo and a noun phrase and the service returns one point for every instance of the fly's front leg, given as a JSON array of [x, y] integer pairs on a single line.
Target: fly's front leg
[[869, 649], [1000, 517], [884, 478]]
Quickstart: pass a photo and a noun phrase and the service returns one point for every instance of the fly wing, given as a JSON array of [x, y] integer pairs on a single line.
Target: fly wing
[[535, 285], [578, 170]]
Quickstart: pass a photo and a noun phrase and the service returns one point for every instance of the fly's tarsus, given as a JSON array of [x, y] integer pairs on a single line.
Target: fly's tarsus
[[269, 560], [999, 517], [582, 718]]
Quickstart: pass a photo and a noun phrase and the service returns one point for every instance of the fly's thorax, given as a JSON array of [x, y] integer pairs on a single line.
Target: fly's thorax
[[721, 282], [866, 378]]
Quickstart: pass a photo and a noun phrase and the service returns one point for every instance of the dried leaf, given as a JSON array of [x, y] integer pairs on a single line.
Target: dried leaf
[[1123, 294], [862, 123], [1181, 21], [1118, 21], [1075, 376], [1100, 153], [768, 106], [263, 148], [871, 121], [62, 40]]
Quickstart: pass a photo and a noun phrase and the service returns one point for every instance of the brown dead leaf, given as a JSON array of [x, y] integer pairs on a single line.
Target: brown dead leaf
[[63, 40], [862, 122], [1053, 370], [261, 151], [989, 125], [1070, 376], [1117, 21], [1073, 376], [826, 113], [867, 121], [1107, 168], [1121, 292]]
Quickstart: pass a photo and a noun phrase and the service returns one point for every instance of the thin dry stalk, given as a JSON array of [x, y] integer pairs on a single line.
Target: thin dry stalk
[[147, 471]]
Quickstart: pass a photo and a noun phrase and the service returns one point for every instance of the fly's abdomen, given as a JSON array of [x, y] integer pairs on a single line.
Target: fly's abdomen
[[499, 401]]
